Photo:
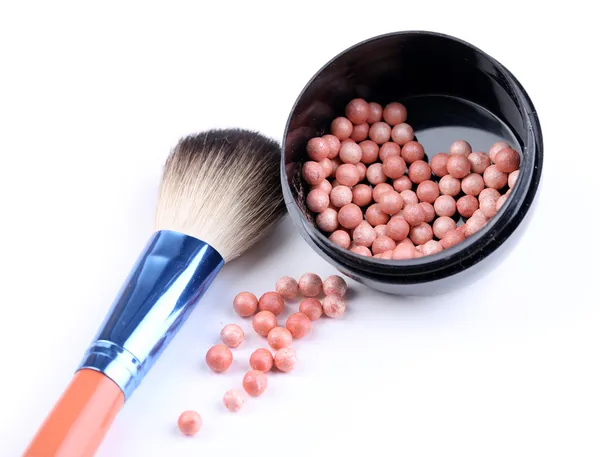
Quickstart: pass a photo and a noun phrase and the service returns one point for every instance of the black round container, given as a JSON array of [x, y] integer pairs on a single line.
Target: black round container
[[452, 90]]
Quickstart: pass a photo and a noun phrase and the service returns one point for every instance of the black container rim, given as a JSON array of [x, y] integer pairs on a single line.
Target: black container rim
[[467, 253]]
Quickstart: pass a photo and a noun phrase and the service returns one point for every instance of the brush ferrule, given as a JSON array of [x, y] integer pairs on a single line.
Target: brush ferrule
[[170, 276]]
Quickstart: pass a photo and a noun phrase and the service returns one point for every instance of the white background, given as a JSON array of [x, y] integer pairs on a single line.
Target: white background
[[92, 97]]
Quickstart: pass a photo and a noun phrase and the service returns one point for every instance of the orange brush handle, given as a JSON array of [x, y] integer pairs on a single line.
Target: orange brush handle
[[80, 418]]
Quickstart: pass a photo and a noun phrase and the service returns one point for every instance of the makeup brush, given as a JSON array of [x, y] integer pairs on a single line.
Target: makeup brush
[[220, 193]]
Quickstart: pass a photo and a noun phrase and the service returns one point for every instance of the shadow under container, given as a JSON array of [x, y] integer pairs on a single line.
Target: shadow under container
[[452, 90]]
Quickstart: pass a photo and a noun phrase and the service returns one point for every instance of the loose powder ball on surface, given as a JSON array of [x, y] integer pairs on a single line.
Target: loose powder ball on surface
[[233, 400], [312, 308], [271, 301], [189, 423], [298, 325], [219, 358], [285, 360], [335, 285], [334, 306], [245, 304], [255, 382], [287, 287], [232, 335], [279, 337], [261, 360], [264, 322], [310, 285]]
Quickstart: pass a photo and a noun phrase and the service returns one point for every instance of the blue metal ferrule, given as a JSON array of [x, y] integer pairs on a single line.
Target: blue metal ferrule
[[169, 278]]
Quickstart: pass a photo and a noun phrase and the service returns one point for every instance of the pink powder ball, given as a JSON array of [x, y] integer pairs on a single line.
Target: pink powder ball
[[496, 147], [429, 211], [409, 197], [387, 150], [245, 304], [452, 238], [458, 166], [431, 247], [327, 221], [438, 164], [380, 132], [381, 229], [419, 171], [404, 251], [285, 360], [494, 178], [298, 325], [261, 360], [334, 144], [340, 238], [413, 214], [421, 233], [501, 202], [362, 195], [233, 400], [349, 216], [443, 225], [310, 284], [341, 196], [357, 111], [402, 183], [232, 335], [360, 132], [472, 184], [313, 173], [507, 160], [376, 216], [402, 133], [271, 301], [460, 147], [394, 113], [474, 224], [382, 244], [317, 149], [479, 162], [334, 306], [391, 202], [287, 287], [445, 205], [347, 175], [412, 151], [312, 308], [279, 337], [428, 191], [394, 167], [364, 234], [255, 382], [397, 228], [381, 189], [467, 205], [375, 174], [488, 193], [350, 152], [341, 128], [449, 186], [335, 285], [375, 113], [370, 152], [317, 201], [488, 207], [219, 358]]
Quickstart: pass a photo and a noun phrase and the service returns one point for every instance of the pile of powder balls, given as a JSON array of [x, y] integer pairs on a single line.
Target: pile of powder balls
[[281, 355], [372, 190]]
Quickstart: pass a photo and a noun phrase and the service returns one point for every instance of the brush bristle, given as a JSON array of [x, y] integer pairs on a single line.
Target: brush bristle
[[222, 187]]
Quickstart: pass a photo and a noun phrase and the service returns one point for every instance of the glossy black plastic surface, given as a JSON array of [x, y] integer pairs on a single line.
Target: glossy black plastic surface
[[452, 91]]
